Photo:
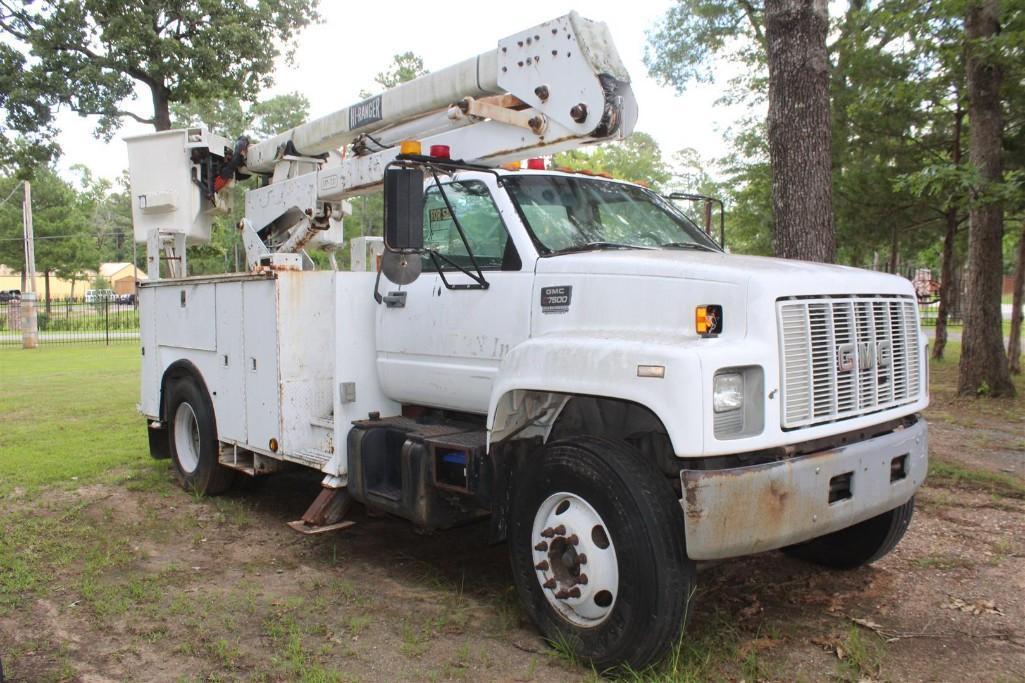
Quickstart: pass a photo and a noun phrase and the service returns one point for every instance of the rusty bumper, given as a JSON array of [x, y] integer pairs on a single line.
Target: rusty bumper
[[747, 510]]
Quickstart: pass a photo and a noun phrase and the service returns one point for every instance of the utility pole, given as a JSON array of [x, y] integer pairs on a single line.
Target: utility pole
[[29, 318]]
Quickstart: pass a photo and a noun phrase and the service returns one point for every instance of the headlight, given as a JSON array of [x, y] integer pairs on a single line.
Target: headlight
[[727, 392]]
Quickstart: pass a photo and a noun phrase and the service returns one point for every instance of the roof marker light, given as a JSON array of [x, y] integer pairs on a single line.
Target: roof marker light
[[410, 147], [440, 151], [536, 164]]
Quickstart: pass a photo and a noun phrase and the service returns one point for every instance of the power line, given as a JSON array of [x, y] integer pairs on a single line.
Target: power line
[[16, 188], [59, 237]]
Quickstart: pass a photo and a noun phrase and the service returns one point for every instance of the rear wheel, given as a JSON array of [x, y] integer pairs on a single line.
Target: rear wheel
[[597, 548], [858, 545], [192, 437]]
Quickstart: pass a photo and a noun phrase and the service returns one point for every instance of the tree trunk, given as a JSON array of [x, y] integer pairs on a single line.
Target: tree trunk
[[948, 288], [46, 289], [1017, 299], [161, 108], [799, 129], [894, 248], [983, 367]]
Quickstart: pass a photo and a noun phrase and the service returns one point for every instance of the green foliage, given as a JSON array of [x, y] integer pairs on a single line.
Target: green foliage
[[90, 56], [900, 127], [692, 33], [637, 159], [62, 223], [233, 117], [404, 67]]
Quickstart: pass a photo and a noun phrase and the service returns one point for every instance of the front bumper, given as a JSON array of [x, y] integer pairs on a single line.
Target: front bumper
[[747, 510]]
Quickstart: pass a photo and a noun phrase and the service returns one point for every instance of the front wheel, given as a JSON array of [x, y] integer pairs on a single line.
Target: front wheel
[[857, 545], [598, 555]]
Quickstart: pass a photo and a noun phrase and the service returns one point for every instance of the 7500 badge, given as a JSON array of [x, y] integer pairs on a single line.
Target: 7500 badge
[[556, 299]]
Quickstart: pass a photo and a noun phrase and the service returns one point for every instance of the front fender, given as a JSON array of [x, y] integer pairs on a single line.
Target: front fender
[[606, 364]]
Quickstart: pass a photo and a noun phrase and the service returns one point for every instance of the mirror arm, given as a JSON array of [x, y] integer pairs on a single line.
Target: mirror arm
[[479, 277]]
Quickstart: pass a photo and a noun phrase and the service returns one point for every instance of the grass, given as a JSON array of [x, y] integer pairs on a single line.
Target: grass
[[67, 415], [861, 655], [997, 483], [68, 419]]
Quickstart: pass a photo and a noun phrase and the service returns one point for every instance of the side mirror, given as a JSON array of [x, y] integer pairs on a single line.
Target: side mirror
[[403, 209]]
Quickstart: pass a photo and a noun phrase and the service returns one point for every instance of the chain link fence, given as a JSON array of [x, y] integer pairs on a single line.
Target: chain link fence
[[74, 322]]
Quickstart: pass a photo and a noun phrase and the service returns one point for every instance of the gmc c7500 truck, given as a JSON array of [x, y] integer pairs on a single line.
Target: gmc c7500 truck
[[567, 357]]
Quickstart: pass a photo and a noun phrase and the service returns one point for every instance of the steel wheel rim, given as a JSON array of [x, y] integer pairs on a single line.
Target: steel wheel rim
[[186, 438], [575, 560]]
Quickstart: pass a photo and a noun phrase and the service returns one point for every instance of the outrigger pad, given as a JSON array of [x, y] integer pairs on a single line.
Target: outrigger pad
[[325, 513], [304, 528]]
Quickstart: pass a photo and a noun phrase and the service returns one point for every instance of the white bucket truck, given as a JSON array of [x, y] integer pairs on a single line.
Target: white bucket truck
[[566, 355]]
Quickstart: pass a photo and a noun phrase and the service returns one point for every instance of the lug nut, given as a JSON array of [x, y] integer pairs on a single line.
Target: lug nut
[[542, 546], [549, 584], [548, 533], [542, 566], [562, 595], [573, 540], [582, 558], [560, 530], [582, 579]]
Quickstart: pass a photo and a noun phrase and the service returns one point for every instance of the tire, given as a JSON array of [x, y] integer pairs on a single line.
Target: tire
[[633, 606], [192, 438], [858, 545]]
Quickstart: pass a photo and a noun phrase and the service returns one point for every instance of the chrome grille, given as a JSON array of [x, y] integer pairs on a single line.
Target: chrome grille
[[843, 357]]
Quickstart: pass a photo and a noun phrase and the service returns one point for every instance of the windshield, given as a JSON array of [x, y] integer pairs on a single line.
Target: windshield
[[572, 214]]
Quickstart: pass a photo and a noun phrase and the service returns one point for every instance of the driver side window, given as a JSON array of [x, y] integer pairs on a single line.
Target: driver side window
[[485, 232]]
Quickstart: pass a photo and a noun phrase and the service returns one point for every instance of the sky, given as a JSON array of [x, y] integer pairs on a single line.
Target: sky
[[339, 57]]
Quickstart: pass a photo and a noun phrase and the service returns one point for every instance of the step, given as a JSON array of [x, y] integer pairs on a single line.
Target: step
[[311, 457], [327, 422]]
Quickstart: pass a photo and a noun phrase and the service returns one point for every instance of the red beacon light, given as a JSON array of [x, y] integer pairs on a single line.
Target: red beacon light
[[440, 152], [536, 164]]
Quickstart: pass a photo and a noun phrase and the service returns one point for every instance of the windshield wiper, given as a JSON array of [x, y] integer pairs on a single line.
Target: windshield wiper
[[686, 245], [600, 245]]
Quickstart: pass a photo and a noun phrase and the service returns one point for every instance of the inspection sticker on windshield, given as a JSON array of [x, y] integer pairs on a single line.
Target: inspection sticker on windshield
[[556, 299], [439, 215]]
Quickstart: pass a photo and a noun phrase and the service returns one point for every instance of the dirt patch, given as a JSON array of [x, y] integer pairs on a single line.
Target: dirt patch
[[223, 590], [136, 580]]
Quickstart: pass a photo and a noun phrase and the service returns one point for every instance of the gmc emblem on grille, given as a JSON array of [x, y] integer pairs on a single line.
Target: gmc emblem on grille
[[845, 357], [878, 355], [866, 355], [884, 354]]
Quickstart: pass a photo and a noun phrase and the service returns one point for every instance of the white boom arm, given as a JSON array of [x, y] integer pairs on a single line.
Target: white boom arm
[[550, 88], [566, 57]]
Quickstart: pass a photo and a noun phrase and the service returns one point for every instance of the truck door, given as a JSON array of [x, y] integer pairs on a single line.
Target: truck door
[[442, 347]]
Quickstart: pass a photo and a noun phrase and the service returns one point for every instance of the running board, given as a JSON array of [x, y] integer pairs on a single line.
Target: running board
[[325, 513]]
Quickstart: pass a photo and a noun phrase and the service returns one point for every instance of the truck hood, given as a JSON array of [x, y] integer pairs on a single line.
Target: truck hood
[[780, 277]]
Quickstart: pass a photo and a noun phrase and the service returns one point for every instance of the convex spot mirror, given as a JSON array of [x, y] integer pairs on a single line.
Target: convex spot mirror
[[404, 209]]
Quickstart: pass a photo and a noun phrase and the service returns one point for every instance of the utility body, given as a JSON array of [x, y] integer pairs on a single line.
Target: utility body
[[567, 356]]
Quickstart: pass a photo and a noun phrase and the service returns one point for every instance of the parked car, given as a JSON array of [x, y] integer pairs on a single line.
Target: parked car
[[127, 299], [95, 296], [10, 295]]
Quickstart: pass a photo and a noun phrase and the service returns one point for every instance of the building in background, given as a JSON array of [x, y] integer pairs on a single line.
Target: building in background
[[122, 276]]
